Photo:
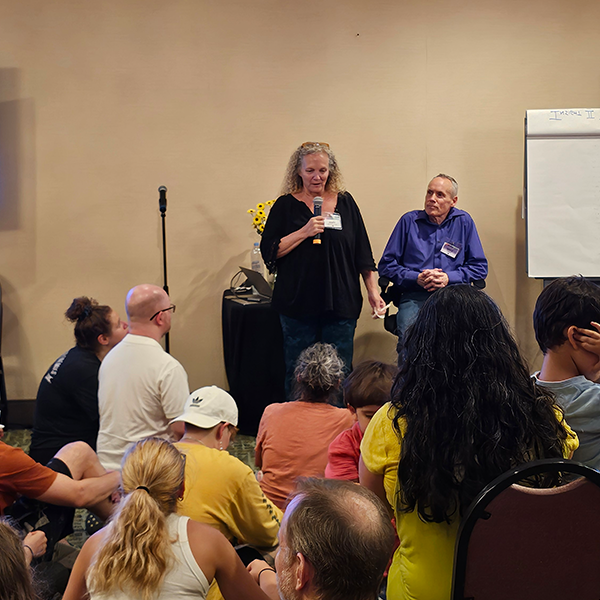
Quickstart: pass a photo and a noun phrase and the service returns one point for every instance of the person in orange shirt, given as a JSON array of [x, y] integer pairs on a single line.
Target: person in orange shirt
[[293, 437]]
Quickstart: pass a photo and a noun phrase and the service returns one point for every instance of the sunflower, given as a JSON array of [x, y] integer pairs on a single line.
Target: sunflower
[[260, 214]]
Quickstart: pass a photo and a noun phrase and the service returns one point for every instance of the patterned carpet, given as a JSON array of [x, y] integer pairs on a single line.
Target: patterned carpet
[[242, 447], [21, 438]]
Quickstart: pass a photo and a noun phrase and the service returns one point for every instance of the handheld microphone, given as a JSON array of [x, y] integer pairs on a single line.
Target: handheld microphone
[[317, 205], [162, 199]]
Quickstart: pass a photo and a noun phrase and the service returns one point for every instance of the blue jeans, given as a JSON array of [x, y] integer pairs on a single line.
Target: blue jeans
[[408, 308], [299, 334]]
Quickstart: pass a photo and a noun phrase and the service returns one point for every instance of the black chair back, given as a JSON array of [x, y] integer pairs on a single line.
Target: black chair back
[[521, 542]]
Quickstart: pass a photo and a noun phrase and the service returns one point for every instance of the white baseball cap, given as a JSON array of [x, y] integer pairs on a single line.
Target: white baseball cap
[[209, 406]]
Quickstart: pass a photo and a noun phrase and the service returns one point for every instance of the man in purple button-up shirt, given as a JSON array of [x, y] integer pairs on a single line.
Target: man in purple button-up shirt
[[432, 248]]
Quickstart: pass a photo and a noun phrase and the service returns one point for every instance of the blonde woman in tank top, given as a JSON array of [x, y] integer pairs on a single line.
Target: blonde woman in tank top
[[148, 551]]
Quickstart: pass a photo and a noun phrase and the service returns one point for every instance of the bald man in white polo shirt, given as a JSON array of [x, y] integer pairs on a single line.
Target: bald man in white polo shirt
[[141, 387]]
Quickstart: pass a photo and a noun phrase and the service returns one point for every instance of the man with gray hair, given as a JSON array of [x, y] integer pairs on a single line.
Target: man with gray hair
[[430, 249], [335, 542], [141, 387]]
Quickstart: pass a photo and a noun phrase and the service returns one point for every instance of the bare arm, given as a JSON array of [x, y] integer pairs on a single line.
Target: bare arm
[[265, 576], [294, 239], [85, 492], [374, 482], [216, 556], [375, 300], [34, 545], [233, 578], [77, 588]]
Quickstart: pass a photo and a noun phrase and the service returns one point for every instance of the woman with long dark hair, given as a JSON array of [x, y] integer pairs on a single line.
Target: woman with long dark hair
[[66, 408], [464, 410]]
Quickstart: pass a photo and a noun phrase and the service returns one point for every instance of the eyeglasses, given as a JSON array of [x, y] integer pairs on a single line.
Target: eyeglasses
[[314, 144], [172, 307]]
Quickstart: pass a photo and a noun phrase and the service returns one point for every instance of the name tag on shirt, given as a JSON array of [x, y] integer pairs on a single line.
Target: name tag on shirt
[[333, 221], [450, 250]]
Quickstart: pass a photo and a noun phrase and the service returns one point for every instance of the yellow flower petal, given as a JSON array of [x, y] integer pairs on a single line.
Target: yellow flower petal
[[250, 211], [260, 206], [256, 220]]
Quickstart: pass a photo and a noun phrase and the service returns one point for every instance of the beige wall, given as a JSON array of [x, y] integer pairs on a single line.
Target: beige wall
[[102, 102]]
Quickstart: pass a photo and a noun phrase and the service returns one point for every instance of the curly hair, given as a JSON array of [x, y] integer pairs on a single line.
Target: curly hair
[[319, 372], [91, 320], [292, 182], [466, 408], [137, 551]]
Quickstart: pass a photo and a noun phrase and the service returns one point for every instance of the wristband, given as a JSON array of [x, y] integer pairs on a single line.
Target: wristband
[[262, 571], [30, 550]]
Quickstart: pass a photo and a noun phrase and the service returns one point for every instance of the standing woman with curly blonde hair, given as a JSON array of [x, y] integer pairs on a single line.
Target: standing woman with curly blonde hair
[[318, 259], [148, 551]]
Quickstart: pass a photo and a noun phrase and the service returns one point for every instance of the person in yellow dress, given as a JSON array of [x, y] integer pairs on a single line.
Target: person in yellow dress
[[463, 411]]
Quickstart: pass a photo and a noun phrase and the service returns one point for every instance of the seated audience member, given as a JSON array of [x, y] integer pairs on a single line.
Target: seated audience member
[[293, 437], [566, 322], [366, 390], [335, 542], [74, 478], [66, 407], [149, 552], [15, 576], [141, 387], [463, 411], [220, 490]]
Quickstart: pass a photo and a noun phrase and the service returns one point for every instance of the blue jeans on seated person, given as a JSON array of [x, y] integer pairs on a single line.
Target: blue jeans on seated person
[[408, 308], [299, 334]]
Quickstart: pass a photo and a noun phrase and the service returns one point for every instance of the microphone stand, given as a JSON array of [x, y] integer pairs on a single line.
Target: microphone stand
[[162, 204]]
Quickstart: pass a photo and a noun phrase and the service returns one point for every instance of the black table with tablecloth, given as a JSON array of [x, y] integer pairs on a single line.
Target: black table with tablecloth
[[253, 351]]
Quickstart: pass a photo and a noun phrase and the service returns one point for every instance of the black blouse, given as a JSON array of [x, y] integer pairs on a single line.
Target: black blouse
[[315, 279]]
